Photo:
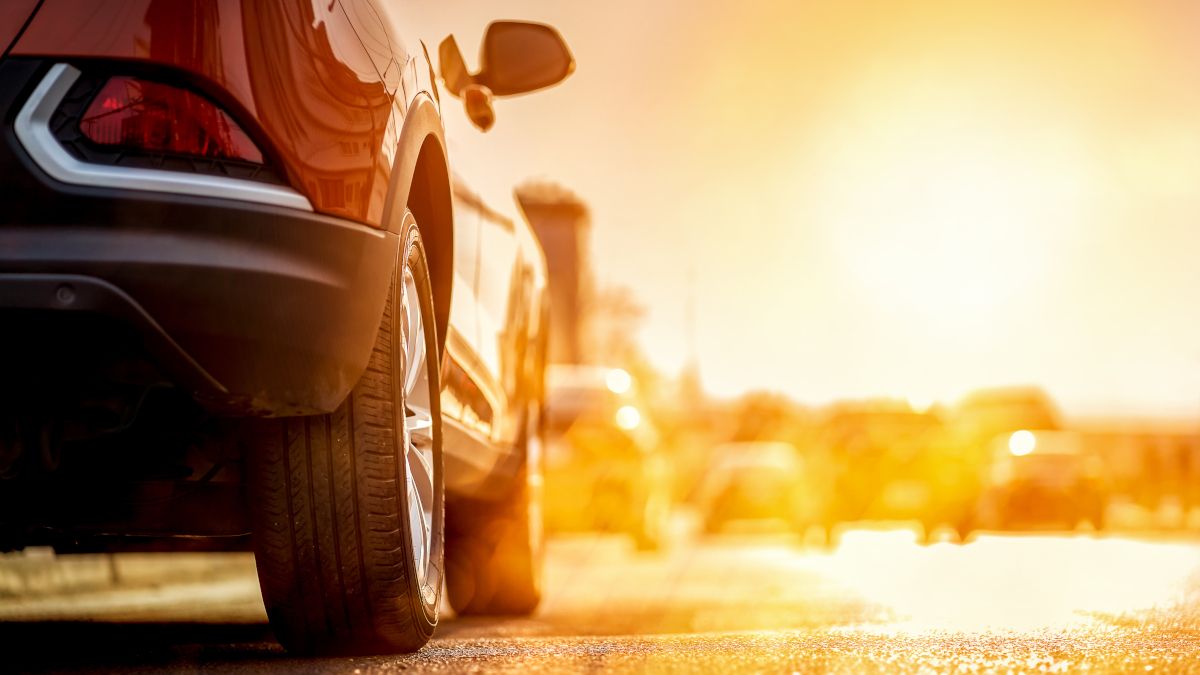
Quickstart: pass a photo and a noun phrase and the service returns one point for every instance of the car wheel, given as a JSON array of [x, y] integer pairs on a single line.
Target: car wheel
[[348, 507], [495, 548]]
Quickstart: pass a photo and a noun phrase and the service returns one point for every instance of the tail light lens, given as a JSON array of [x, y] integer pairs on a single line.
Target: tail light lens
[[153, 117]]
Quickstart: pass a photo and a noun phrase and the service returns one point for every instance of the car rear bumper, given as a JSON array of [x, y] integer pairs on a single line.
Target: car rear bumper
[[254, 308]]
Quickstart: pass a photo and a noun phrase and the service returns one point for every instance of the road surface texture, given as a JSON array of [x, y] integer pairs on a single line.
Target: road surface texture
[[877, 603]]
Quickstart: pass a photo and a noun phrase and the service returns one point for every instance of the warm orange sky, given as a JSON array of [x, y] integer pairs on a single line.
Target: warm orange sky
[[882, 198]]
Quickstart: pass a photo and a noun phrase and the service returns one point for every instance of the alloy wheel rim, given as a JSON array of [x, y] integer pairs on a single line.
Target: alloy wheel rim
[[418, 431]]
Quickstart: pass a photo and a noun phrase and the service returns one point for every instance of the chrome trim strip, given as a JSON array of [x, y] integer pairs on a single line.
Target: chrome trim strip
[[33, 130]]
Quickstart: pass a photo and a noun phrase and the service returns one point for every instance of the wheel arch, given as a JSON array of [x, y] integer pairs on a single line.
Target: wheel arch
[[421, 182]]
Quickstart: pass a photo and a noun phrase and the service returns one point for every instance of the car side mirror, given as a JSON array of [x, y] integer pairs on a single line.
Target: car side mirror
[[517, 57]]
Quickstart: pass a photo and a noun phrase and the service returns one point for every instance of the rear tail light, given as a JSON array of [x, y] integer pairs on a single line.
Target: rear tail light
[[155, 118], [108, 129]]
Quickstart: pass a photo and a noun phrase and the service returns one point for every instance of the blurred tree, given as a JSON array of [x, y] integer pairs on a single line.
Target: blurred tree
[[765, 416]]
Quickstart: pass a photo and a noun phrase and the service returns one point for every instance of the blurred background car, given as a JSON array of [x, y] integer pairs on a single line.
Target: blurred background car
[[886, 461], [1040, 479], [987, 413], [756, 481], [604, 468]]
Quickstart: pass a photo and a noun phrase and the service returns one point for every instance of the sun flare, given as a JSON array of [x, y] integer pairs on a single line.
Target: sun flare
[[946, 207]]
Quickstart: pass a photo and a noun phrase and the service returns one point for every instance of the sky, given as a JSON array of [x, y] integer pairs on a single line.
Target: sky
[[909, 199]]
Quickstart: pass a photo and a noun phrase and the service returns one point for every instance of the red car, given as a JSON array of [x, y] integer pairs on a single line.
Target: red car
[[244, 305]]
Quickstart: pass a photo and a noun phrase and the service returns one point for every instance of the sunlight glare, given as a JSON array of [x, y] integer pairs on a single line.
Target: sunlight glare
[[1013, 583], [943, 210]]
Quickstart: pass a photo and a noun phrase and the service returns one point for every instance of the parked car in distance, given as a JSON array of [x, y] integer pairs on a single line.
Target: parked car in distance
[[884, 461], [985, 413], [757, 481], [246, 306], [1041, 479], [605, 470]]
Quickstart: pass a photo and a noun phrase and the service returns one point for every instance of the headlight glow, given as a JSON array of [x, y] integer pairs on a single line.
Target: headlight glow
[[628, 417], [1021, 443], [618, 380]]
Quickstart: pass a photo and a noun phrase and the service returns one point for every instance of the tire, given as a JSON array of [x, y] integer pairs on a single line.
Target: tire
[[495, 548], [339, 522]]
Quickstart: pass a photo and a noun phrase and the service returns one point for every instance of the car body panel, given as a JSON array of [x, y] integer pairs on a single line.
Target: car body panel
[[13, 15]]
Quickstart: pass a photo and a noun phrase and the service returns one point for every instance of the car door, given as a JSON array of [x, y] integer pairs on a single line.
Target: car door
[[503, 318], [462, 398]]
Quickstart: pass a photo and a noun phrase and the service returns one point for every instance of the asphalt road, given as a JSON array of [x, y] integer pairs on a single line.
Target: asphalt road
[[878, 603]]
